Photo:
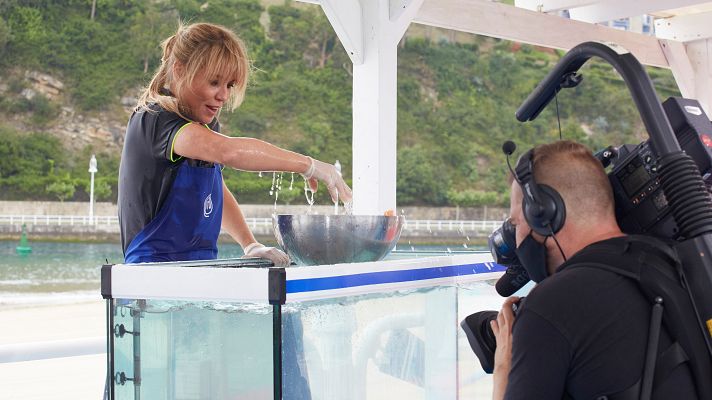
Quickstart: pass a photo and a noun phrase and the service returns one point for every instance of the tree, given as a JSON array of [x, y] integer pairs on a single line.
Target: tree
[[148, 28], [93, 10], [303, 33], [102, 190], [418, 181], [62, 189], [474, 198], [29, 33], [5, 36]]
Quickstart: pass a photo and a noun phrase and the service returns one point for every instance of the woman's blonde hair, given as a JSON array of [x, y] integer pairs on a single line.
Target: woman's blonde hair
[[201, 46]]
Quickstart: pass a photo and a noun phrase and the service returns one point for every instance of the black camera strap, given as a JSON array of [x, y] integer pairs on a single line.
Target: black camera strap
[[655, 267]]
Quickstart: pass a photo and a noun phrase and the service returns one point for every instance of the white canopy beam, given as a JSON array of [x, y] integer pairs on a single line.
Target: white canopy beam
[[346, 19], [547, 6], [487, 18], [681, 67], [402, 13], [608, 10], [685, 28], [690, 62], [700, 54], [697, 83]]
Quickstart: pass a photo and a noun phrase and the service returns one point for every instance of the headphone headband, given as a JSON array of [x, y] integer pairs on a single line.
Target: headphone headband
[[543, 207]]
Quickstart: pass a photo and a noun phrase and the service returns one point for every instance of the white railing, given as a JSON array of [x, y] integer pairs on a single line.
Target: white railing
[[31, 351], [450, 225], [58, 220], [410, 225]]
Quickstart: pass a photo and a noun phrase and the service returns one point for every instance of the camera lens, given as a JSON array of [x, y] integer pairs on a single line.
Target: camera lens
[[502, 243], [499, 245]]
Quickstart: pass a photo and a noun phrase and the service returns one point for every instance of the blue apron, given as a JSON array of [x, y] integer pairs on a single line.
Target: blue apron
[[188, 224]]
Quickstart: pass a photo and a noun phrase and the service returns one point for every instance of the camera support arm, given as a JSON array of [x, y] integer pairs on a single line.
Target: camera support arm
[[634, 75]]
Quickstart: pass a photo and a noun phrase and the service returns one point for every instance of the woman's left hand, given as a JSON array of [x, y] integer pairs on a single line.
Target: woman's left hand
[[277, 256]]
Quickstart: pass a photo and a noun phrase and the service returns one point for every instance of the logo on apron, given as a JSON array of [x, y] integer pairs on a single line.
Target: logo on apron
[[208, 206]]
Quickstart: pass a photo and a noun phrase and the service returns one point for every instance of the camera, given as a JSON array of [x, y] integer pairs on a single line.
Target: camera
[[640, 204], [480, 336], [502, 243]]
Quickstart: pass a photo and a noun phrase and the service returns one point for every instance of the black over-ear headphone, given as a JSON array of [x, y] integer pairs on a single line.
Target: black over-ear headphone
[[542, 205]]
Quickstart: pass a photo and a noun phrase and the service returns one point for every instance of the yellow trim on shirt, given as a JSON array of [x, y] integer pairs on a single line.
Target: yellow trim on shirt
[[173, 143]]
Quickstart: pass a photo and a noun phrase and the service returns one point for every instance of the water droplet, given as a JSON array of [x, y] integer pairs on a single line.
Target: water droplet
[[309, 195], [277, 187], [349, 208]]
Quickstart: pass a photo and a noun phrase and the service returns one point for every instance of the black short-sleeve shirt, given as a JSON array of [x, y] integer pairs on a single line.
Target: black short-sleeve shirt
[[148, 167], [583, 332]]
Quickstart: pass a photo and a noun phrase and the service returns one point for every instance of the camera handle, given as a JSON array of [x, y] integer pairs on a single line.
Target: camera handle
[[634, 75]]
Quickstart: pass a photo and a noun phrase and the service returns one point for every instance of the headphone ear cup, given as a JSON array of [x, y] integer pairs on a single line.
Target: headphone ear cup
[[548, 214]]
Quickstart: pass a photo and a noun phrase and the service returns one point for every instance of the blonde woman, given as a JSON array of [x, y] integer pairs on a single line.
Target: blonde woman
[[172, 198]]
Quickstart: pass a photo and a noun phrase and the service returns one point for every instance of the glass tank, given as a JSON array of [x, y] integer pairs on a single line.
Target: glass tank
[[351, 331]]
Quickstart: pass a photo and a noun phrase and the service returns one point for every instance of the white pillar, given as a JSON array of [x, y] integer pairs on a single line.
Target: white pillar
[[700, 54], [92, 171], [374, 115], [372, 47], [686, 41], [91, 197], [691, 66]]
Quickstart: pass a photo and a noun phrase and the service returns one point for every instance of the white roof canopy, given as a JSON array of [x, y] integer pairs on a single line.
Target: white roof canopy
[[371, 29]]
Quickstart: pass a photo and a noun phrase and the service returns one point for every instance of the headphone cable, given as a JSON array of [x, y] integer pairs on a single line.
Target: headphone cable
[[557, 243], [558, 118]]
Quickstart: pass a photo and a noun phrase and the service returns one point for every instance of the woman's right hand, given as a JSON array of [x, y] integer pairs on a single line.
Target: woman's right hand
[[327, 173]]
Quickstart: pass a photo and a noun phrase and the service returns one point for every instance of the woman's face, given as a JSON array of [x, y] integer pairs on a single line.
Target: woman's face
[[203, 99]]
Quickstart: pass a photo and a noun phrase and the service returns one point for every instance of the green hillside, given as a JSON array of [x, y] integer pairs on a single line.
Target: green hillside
[[456, 101]]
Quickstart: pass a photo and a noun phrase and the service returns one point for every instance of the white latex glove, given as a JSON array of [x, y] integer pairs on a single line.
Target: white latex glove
[[327, 173], [273, 254]]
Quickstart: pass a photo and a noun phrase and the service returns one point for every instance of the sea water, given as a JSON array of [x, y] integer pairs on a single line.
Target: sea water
[[54, 272], [58, 273]]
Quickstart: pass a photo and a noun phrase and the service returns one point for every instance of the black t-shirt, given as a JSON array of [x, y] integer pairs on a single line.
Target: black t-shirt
[[584, 331], [148, 167]]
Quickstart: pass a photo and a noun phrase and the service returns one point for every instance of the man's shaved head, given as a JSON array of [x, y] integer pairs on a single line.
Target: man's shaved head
[[572, 170]]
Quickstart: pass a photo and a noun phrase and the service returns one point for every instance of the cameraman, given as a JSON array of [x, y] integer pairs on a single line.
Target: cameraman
[[581, 333]]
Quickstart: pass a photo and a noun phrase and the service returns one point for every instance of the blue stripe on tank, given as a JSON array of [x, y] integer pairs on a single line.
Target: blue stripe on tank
[[375, 278]]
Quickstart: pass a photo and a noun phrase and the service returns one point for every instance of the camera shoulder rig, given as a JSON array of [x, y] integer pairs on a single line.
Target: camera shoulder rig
[[655, 267]]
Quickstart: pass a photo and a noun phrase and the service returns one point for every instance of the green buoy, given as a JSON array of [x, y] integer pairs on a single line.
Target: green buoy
[[24, 248]]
